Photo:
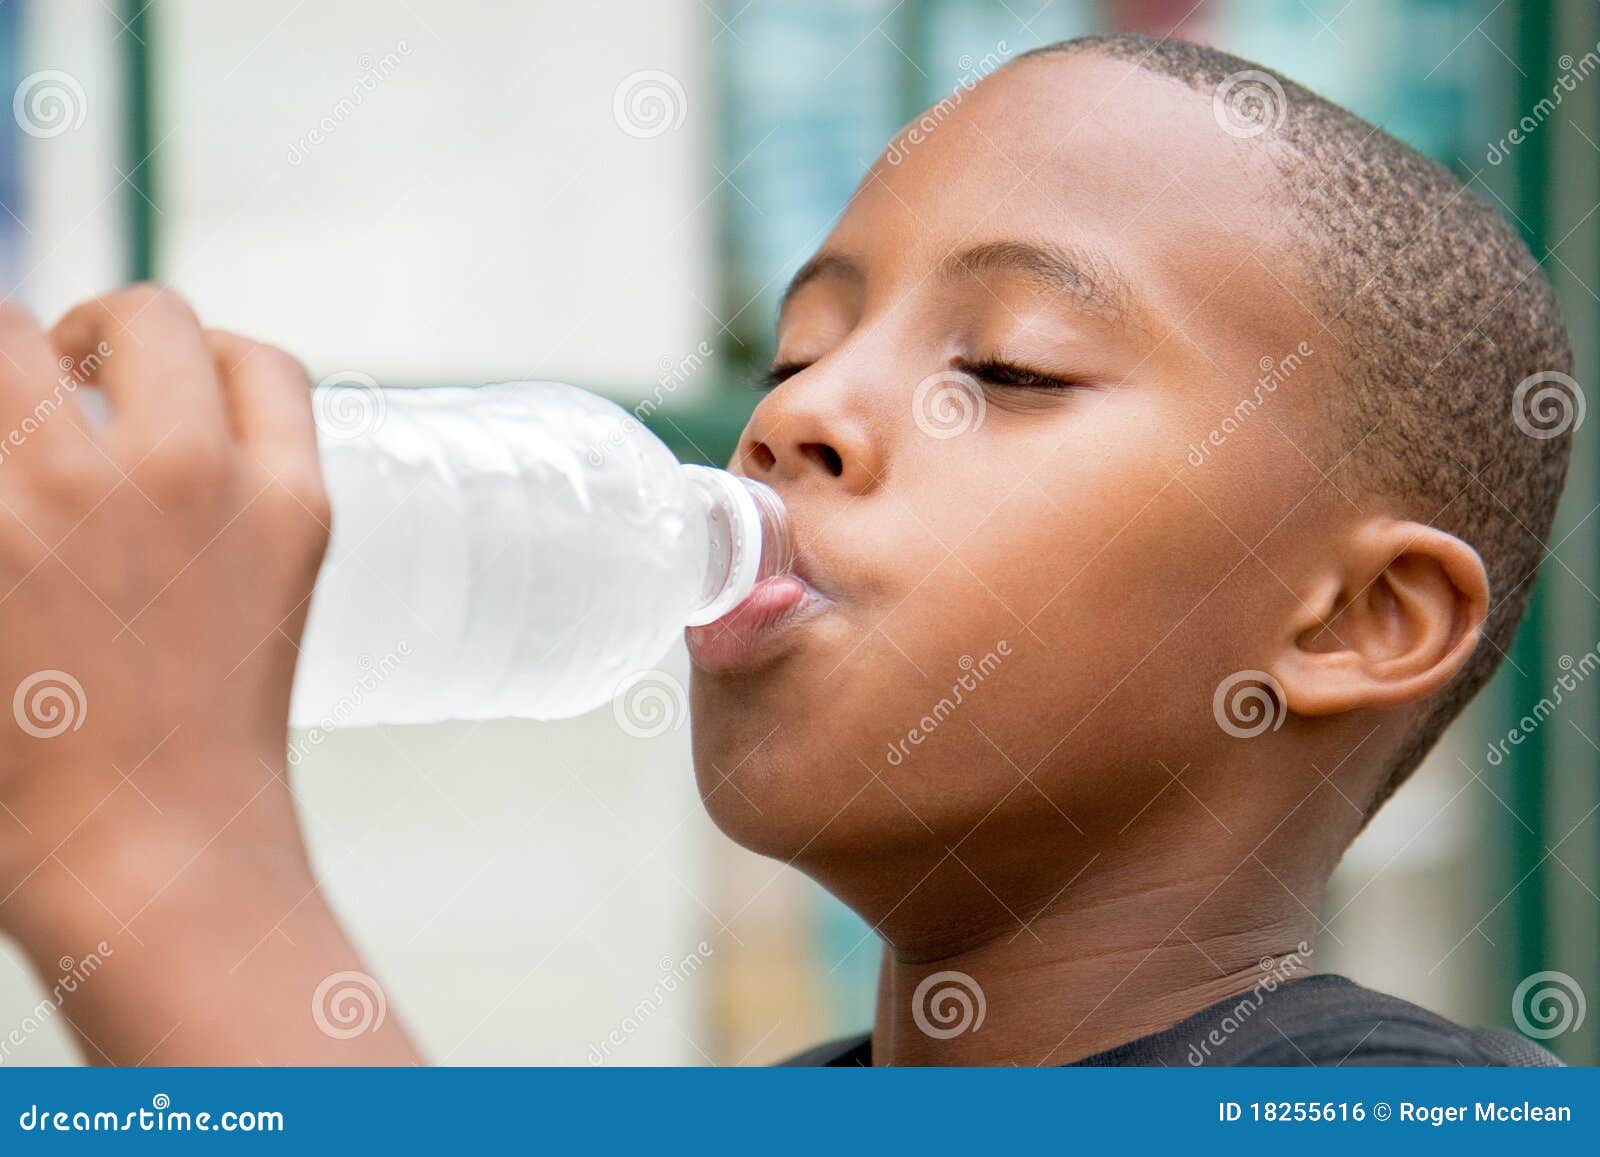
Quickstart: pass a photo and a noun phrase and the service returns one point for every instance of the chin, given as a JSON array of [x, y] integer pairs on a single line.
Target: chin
[[749, 781], [774, 781], [808, 803]]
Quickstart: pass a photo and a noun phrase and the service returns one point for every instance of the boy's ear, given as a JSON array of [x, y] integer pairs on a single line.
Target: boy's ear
[[1397, 616]]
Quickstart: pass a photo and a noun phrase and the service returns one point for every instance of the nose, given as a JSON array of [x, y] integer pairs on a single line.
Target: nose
[[809, 431]]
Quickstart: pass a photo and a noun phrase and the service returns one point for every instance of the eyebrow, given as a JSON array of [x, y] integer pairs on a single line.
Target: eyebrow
[[821, 266], [1087, 277]]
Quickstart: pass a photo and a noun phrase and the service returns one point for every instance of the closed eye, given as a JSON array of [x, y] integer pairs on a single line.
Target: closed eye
[[999, 373], [778, 374], [990, 372]]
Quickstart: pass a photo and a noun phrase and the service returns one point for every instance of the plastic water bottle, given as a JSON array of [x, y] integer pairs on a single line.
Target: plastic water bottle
[[517, 549]]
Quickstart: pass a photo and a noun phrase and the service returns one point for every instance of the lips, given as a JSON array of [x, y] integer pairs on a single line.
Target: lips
[[753, 632]]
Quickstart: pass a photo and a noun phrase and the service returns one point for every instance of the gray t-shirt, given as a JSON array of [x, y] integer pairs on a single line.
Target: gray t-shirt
[[1313, 1020]]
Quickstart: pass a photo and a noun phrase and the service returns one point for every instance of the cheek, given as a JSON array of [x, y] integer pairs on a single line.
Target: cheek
[[1121, 594]]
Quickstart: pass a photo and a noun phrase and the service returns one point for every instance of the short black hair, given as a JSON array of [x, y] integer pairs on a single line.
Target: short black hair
[[1458, 400]]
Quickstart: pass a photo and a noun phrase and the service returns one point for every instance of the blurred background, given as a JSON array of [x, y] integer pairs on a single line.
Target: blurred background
[[614, 193]]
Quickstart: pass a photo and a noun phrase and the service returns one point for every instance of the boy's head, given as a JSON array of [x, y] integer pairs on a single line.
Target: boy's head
[[1156, 438]]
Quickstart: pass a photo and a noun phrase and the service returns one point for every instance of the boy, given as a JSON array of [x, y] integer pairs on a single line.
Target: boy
[[1160, 499]]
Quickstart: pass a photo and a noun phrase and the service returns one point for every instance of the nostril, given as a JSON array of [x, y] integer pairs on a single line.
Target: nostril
[[762, 456], [825, 456]]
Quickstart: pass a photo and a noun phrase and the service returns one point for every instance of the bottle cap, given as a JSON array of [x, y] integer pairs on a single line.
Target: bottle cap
[[749, 539]]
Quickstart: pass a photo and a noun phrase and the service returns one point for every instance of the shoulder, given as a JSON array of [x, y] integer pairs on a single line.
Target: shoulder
[[842, 1053], [1319, 1020], [1328, 1020]]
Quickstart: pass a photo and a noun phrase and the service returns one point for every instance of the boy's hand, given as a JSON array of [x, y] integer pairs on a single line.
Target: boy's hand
[[154, 579], [155, 576]]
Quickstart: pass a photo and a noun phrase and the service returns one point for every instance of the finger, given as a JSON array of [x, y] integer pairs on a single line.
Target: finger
[[158, 374], [269, 402], [268, 397], [36, 402]]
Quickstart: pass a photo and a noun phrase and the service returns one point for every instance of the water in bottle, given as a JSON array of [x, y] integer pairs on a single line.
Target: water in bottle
[[517, 549]]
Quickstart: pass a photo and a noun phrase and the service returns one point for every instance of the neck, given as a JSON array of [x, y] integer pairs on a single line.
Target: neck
[[1123, 950]]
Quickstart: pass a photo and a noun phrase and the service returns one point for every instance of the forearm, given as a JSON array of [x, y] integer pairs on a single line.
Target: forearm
[[204, 951]]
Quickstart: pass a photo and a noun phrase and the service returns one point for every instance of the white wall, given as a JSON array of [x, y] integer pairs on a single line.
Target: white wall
[[520, 888], [73, 195], [473, 207]]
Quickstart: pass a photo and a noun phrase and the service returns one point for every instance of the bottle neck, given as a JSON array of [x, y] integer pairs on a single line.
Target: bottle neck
[[747, 539]]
